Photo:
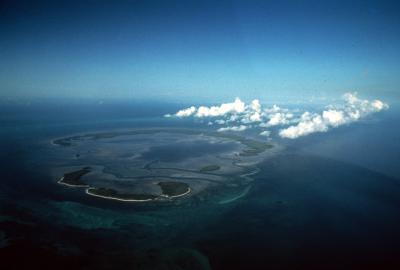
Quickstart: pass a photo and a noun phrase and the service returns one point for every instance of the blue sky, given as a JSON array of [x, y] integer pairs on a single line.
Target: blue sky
[[202, 50]]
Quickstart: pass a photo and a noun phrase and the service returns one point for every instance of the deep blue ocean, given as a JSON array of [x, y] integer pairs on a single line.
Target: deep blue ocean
[[328, 201]]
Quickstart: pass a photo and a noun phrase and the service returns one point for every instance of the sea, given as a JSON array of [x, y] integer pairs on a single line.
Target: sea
[[326, 201]]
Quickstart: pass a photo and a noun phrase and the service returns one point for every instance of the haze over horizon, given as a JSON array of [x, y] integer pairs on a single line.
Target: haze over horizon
[[199, 50]]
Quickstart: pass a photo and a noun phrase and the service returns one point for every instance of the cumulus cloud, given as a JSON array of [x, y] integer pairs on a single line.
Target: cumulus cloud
[[186, 112], [255, 117], [239, 116], [379, 105], [278, 118], [253, 110], [265, 133], [353, 109], [357, 108], [275, 108], [237, 106], [233, 128], [255, 105], [334, 117], [236, 111], [309, 124]]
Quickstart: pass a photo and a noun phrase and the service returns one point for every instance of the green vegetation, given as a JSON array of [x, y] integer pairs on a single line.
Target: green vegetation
[[173, 188], [74, 178], [210, 168], [169, 189], [112, 193]]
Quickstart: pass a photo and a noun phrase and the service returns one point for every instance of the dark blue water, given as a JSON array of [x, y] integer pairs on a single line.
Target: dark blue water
[[329, 201]]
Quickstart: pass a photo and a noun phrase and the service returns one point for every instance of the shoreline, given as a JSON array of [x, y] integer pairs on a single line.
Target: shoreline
[[176, 196], [88, 188], [69, 185], [252, 147], [87, 191]]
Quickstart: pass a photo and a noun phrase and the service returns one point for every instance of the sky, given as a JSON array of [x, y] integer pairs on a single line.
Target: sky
[[206, 51]]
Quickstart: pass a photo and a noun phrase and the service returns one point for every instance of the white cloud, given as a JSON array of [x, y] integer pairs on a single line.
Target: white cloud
[[333, 117], [313, 124], [379, 105], [233, 118], [255, 105], [237, 106], [255, 117], [277, 119], [265, 133], [233, 128], [273, 109], [238, 111], [237, 115], [353, 109], [186, 112]]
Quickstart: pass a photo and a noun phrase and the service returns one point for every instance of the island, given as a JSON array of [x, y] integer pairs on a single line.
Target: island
[[169, 189], [159, 164], [108, 193], [74, 178], [174, 189]]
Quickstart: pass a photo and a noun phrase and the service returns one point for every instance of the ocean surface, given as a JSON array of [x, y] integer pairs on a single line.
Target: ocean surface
[[327, 201]]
